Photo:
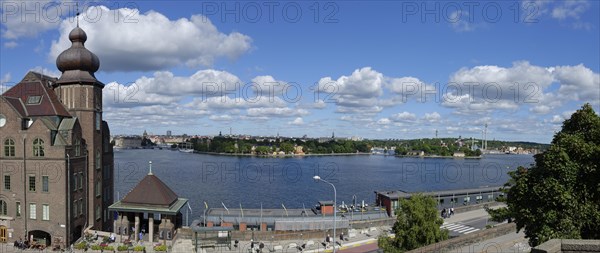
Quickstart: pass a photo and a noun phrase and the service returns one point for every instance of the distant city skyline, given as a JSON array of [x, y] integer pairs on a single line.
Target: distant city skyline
[[378, 70]]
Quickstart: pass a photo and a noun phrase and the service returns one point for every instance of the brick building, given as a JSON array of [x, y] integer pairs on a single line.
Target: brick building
[[56, 159]]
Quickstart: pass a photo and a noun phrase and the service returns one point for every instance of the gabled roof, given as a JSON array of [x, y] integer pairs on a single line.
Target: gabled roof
[[32, 85], [151, 191]]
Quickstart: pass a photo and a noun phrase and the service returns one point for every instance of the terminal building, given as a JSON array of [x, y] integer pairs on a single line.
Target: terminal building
[[445, 199]]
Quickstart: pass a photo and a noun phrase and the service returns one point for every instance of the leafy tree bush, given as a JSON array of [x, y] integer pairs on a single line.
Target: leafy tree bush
[[418, 224], [559, 197]]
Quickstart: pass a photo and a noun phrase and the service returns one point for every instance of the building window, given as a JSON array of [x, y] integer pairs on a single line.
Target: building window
[[98, 121], [80, 206], [77, 147], [45, 212], [98, 188], [31, 183], [9, 148], [18, 206], [98, 212], [38, 147], [98, 160], [74, 181], [80, 180], [75, 211], [7, 182], [3, 208], [32, 211], [45, 185], [34, 100]]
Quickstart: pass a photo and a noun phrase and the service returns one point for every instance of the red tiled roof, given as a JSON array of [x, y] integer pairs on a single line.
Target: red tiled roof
[[151, 191], [17, 105], [35, 84]]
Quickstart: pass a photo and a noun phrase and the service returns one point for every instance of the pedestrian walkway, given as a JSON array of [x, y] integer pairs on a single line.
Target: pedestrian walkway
[[459, 228]]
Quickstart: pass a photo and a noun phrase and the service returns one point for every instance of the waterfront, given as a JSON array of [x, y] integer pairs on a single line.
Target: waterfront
[[250, 181]]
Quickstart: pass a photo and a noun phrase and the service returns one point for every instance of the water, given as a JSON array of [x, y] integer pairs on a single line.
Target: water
[[250, 181]]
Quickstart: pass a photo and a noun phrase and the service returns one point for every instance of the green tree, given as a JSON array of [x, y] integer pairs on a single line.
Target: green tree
[[559, 197], [417, 224], [286, 147]]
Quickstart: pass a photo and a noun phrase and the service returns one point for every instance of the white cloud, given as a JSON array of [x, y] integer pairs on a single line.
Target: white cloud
[[362, 83], [486, 88], [224, 117], [151, 41], [432, 117], [45, 71], [570, 9], [404, 116], [411, 88], [10, 44], [276, 112], [384, 121], [5, 83], [460, 21], [39, 16], [578, 83], [556, 119], [297, 121]]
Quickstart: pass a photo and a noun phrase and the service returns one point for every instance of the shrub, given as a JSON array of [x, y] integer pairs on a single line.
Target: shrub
[[108, 248], [81, 246], [96, 247], [160, 248], [139, 248], [122, 248]]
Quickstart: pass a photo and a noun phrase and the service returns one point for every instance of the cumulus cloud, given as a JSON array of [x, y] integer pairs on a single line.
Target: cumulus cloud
[[404, 116], [367, 92], [39, 16], [432, 117], [224, 117], [384, 121], [460, 21], [486, 88], [11, 44], [165, 88], [578, 82], [45, 71], [570, 9], [406, 88], [151, 41], [275, 111], [297, 121]]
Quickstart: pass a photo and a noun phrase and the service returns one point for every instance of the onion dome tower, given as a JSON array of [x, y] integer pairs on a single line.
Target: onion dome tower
[[81, 94], [77, 63]]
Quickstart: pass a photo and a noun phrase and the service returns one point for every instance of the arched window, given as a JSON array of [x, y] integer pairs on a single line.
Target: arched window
[[77, 147], [3, 208], [38, 147], [9, 147]]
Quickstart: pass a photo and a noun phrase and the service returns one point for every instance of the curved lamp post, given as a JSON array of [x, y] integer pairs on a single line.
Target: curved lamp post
[[317, 178]]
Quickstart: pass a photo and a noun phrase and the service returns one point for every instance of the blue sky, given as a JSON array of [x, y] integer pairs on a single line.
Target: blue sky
[[360, 68]]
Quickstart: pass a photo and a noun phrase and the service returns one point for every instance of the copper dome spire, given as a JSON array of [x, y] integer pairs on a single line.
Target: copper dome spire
[[77, 63]]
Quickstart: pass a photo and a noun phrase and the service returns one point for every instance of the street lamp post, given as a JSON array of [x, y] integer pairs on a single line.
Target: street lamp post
[[317, 178]]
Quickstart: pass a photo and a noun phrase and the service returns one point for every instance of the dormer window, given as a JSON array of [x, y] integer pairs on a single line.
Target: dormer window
[[34, 100]]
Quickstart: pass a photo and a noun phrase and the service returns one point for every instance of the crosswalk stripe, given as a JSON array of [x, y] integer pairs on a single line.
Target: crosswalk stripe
[[471, 231], [455, 226], [459, 228], [465, 229]]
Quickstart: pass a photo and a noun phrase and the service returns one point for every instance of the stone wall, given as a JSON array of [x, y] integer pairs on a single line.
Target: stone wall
[[472, 238], [568, 246]]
